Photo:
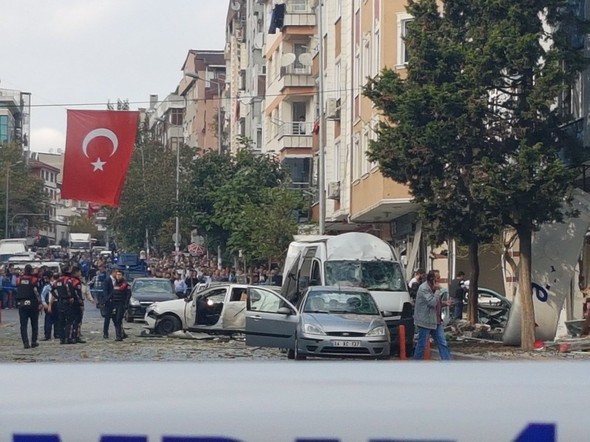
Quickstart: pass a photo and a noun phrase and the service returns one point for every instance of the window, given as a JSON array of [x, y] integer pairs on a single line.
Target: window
[[366, 58], [376, 52], [3, 128], [264, 301], [357, 158], [176, 117], [403, 20], [299, 170], [337, 161], [364, 151]]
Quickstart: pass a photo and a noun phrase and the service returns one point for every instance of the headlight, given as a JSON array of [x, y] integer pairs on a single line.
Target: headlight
[[134, 302], [377, 331], [311, 329]]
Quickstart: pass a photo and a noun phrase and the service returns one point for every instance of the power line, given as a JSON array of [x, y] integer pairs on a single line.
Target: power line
[[308, 94]]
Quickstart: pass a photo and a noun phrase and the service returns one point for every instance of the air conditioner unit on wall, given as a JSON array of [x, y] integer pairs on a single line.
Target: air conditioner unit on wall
[[334, 190]]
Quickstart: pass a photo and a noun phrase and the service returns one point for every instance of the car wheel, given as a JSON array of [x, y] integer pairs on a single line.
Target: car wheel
[[128, 317], [296, 354], [290, 354], [168, 325]]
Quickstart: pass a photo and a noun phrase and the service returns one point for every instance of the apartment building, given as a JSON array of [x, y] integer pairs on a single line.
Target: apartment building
[[201, 89], [15, 115], [165, 120]]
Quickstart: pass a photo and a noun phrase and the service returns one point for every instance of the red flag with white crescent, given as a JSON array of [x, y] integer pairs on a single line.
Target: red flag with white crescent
[[99, 145]]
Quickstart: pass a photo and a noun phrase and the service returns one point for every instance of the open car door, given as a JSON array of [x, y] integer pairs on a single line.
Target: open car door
[[271, 320]]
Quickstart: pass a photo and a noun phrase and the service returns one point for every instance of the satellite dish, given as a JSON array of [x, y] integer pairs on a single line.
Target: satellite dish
[[287, 59], [305, 59], [246, 99], [235, 6]]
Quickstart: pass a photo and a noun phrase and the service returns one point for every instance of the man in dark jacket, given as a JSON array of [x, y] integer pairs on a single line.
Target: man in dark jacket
[[29, 303], [107, 303]]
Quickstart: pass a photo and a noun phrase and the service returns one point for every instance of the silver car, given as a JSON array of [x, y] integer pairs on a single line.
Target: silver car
[[328, 322]]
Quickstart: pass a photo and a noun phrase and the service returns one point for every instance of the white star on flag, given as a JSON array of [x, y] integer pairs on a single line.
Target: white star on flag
[[98, 164]]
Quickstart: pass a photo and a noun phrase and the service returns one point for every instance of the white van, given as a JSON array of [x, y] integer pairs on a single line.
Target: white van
[[352, 259], [11, 247]]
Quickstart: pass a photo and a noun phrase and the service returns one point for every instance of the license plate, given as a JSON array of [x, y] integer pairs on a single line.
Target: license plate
[[346, 343]]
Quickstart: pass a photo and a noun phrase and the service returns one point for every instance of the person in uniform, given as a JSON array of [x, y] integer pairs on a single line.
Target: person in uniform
[[77, 305], [28, 301], [63, 294], [121, 295]]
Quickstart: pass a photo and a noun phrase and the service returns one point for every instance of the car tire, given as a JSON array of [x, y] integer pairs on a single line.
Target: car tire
[[296, 355], [128, 317], [290, 354], [168, 324]]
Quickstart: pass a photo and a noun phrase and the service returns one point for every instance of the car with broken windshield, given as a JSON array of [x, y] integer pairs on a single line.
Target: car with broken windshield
[[328, 322]]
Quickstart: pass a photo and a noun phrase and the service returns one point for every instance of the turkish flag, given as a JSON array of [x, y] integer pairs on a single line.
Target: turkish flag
[[99, 145]]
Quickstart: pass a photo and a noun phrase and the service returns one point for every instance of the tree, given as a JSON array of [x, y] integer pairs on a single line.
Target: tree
[[235, 199], [26, 194], [473, 128], [84, 224], [148, 199]]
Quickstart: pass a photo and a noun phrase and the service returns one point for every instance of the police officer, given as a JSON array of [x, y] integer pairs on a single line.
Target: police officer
[[77, 305], [63, 291], [28, 301], [121, 295]]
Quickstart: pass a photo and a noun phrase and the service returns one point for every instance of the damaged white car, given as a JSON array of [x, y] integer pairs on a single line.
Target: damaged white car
[[219, 309]]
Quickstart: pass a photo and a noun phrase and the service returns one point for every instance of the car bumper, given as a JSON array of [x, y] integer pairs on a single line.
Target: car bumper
[[150, 322], [136, 312], [356, 347]]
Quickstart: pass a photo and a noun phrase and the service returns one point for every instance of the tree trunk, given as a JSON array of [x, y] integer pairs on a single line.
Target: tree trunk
[[527, 332], [472, 314]]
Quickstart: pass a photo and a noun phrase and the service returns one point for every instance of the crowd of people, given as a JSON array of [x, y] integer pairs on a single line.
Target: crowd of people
[[60, 297]]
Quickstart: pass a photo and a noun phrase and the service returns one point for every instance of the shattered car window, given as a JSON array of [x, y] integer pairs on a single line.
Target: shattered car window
[[372, 275]]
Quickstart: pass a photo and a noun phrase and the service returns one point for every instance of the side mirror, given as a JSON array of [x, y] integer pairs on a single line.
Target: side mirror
[[284, 311]]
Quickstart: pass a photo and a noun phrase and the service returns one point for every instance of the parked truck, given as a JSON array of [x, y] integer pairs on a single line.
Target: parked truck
[[352, 259], [79, 243]]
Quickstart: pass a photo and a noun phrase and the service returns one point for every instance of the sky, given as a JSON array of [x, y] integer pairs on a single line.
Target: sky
[[79, 54]]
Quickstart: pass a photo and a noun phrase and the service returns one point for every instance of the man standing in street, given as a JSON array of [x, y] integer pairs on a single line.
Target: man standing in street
[[28, 301], [77, 306], [121, 294], [63, 291], [427, 317], [107, 303], [415, 283], [457, 293], [50, 323]]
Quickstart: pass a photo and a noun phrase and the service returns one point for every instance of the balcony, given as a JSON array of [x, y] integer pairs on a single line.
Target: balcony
[[295, 76], [300, 13], [294, 137]]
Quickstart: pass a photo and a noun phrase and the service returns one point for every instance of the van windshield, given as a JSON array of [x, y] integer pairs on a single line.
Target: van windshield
[[372, 275]]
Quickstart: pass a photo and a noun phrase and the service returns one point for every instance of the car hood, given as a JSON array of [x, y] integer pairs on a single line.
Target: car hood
[[153, 297], [164, 303], [344, 321]]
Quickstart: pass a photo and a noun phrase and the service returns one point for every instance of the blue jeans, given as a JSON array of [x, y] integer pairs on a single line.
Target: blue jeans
[[438, 335]]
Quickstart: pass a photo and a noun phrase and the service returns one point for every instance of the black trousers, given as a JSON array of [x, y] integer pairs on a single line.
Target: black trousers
[[26, 314], [77, 315], [118, 313], [107, 313], [66, 319]]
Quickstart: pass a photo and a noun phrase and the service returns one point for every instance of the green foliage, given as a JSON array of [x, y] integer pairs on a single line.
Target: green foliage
[[473, 128], [148, 199], [84, 224], [26, 194], [242, 202]]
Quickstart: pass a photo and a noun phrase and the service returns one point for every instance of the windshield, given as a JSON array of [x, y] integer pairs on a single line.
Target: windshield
[[79, 245], [155, 286], [360, 303], [372, 275]]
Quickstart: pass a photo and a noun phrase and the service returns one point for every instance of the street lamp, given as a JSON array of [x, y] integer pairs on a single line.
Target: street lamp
[[8, 167], [218, 84]]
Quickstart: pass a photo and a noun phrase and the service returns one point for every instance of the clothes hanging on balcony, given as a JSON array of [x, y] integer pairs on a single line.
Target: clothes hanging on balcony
[[277, 18]]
